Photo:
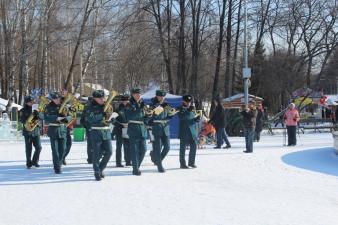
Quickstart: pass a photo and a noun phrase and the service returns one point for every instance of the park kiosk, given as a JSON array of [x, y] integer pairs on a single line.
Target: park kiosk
[[237, 101]]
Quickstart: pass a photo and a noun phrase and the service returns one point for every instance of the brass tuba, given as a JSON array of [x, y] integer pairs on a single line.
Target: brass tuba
[[32, 121], [63, 110], [108, 108], [75, 106]]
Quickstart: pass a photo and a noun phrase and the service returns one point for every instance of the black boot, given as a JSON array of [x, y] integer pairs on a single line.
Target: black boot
[[192, 165], [183, 166], [64, 162], [161, 169], [29, 164], [97, 176], [58, 170], [36, 164], [137, 172], [102, 175], [119, 165]]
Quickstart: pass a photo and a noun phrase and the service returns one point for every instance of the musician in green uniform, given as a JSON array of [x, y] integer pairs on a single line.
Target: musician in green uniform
[[32, 135], [137, 132], [84, 123], [120, 125], [57, 118], [160, 128], [100, 134], [188, 131]]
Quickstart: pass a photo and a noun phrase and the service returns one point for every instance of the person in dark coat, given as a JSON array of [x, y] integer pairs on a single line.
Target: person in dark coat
[[259, 122], [218, 119], [249, 121], [31, 137], [137, 118], [100, 134], [122, 139], [84, 123], [188, 131], [69, 130], [160, 129], [57, 130]]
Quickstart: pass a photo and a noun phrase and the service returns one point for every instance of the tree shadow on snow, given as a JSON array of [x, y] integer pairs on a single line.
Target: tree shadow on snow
[[19, 175], [322, 160]]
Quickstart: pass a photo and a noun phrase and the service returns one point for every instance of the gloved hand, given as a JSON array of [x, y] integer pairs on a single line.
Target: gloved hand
[[35, 113], [60, 118], [114, 115], [64, 120], [142, 105], [295, 119], [164, 104]]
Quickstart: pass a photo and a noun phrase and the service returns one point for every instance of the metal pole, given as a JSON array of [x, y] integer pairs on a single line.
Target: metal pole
[[246, 69]]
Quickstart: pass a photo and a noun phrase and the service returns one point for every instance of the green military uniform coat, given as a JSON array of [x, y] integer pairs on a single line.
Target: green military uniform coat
[[137, 132], [100, 138], [57, 132], [188, 134], [31, 137]]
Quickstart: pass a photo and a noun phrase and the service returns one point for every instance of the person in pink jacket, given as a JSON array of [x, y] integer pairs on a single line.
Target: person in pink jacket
[[291, 118]]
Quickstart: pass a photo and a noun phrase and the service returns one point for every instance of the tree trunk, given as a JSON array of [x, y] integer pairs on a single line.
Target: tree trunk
[[88, 10], [196, 10], [23, 80], [181, 64], [8, 92], [228, 84], [219, 52], [156, 11], [233, 74]]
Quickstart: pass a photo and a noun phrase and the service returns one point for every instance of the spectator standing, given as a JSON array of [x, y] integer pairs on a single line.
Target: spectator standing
[[291, 118], [259, 122], [249, 122]]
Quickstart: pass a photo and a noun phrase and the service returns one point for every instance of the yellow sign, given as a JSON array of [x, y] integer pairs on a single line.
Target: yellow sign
[[301, 100]]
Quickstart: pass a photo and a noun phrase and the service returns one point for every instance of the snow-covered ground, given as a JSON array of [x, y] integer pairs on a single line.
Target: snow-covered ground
[[274, 185]]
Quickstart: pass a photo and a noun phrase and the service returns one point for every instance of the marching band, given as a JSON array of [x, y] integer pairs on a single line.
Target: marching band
[[131, 121]]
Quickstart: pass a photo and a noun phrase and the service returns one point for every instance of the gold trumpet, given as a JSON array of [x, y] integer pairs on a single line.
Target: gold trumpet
[[171, 110], [199, 113]]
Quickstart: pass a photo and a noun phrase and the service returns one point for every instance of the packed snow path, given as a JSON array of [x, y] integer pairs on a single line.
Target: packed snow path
[[274, 185]]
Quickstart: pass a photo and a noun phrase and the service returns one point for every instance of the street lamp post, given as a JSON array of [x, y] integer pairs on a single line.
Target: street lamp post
[[246, 69]]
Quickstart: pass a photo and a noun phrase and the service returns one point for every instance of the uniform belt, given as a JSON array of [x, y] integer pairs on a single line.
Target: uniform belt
[[55, 124], [100, 128], [125, 125], [136, 122], [161, 121]]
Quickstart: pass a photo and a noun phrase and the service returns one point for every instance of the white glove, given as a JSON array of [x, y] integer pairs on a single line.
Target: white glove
[[60, 118], [113, 116]]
